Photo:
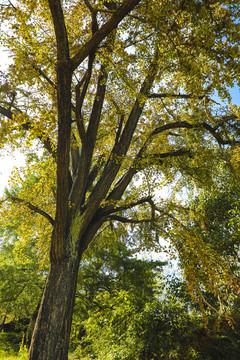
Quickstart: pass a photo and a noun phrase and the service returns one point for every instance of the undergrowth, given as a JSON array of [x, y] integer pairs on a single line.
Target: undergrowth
[[18, 356]]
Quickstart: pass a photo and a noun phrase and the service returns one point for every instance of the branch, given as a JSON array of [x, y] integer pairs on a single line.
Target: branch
[[15, 297], [170, 126], [99, 96], [89, 5], [80, 98], [174, 153], [127, 220], [14, 94], [74, 151], [185, 124], [120, 149], [79, 101], [99, 218], [181, 96], [28, 126], [219, 139], [85, 80], [60, 30], [42, 73], [109, 26], [88, 138], [94, 171], [94, 16], [33, 207], [12, 5], [80, 184], [119, 129], [6, 112], [178, 96], [205, 301], [114, 102], [111, 209], [123, 183]]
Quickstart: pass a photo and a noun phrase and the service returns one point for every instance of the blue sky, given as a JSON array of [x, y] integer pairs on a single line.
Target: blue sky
[[235, 93]]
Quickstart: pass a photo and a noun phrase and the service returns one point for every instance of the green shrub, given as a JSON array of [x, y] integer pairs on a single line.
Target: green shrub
[[4, 355], [10, 342]]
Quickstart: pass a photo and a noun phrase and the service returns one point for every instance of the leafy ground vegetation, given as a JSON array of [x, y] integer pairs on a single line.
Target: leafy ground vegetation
[[112, 103]]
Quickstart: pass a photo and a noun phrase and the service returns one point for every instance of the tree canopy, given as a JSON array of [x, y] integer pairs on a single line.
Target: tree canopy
[[110, 101]]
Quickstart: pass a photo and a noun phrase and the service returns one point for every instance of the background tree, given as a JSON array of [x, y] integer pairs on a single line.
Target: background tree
[[21, 287], [156, 319], [110, 95], [206, 235]]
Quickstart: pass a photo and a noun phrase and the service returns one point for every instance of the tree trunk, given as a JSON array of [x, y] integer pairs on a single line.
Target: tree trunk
[[51, 335], [30, 327]]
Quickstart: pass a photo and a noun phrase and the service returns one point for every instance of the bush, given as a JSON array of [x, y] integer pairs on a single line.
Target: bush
[[10, 342]]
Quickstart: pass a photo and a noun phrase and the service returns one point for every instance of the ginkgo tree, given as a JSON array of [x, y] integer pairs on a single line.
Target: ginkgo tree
[[110, 90]]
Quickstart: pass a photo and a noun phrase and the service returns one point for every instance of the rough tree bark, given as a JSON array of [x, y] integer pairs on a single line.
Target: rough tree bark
[[50, 339]]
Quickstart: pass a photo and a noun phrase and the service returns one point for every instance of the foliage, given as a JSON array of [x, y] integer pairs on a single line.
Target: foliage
[[164, 326], [113, 93], [32, 185], [207, 240], [21, 283], [130, 333], [9, 342], [141, 314], [7, 356], [111, 273]]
